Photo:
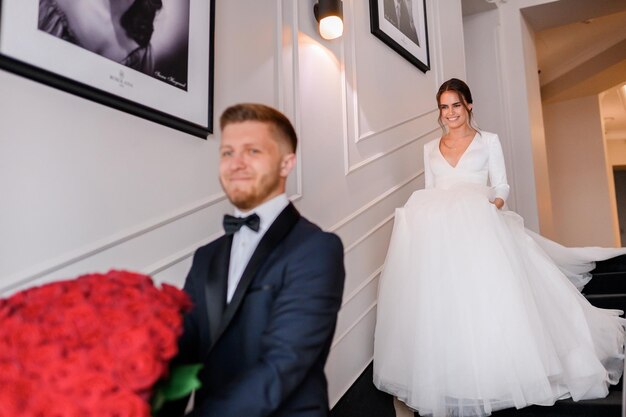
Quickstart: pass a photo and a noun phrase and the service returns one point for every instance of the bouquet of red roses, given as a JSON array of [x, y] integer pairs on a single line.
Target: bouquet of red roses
[[92, 346]]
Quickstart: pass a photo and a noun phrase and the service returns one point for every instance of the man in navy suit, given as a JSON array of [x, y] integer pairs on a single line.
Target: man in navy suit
[[267, 293]]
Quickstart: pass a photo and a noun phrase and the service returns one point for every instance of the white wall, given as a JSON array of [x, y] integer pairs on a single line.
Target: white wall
[[537, 135], [89, 188], [481, 34], [616, 149], [502, 73], [582, 189]]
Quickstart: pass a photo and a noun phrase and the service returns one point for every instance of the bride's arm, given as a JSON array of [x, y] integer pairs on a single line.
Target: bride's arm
[[497, 172]]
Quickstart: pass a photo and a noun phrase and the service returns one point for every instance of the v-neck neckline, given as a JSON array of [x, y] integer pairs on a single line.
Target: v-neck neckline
[[462, 155]]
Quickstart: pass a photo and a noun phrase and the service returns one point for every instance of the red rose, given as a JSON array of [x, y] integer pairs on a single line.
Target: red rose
[[87, 347], [95, 358], [165, 339], [90, 388], [9, 371], [124, 404], [14, 397], [179, 298], [27, 334], [5, 309], [130, 279], [170, 317], [139, 371], [54, 404]]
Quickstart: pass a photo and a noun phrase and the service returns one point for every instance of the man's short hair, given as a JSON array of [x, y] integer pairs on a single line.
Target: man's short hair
[[261, 113]]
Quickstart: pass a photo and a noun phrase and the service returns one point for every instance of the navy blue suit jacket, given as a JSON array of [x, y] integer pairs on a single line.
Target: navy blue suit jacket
[[264, 352]]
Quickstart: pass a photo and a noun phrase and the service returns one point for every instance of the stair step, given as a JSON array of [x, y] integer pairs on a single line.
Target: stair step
[[610, 301], [606, 283], [611, 406], [611, 265], [364, 400], [607, 289]]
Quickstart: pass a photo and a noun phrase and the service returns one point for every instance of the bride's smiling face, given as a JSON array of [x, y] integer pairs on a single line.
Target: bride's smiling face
[[453, 110]]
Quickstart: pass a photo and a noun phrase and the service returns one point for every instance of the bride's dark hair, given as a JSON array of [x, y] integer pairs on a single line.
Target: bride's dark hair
[[138, 20], [457, 86]]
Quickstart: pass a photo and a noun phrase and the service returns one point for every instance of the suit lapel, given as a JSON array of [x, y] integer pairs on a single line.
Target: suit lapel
[[274, 235], [216, 284]]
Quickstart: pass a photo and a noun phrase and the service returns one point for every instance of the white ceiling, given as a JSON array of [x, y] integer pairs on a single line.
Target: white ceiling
[[563, 48], [581, 51]]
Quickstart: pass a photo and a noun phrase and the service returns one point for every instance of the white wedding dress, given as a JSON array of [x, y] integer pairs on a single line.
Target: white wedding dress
[[476, 313]]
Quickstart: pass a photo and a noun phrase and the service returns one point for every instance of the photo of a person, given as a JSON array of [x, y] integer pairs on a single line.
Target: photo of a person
[[400, 14], [150, 36]]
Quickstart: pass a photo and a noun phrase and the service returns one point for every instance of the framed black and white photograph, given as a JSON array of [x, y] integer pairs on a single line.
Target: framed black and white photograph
[[150, 58], [401, 24]]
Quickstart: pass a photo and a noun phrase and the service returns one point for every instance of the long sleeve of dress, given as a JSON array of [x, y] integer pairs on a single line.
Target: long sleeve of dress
[[497, 169]]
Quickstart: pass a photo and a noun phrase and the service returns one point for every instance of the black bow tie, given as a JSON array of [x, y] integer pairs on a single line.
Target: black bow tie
[[232, 224]]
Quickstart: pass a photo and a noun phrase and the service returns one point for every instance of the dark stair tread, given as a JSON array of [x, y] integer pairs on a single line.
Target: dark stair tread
[[611, 265], [364, 400], [608, 301], [606, 282], [611, 406], [605, 296]]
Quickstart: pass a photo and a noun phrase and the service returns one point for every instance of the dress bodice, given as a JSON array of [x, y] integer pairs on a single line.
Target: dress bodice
[[482, 163]]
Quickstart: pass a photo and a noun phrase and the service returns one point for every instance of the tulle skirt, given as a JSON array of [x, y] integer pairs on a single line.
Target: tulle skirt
[[474, 314]]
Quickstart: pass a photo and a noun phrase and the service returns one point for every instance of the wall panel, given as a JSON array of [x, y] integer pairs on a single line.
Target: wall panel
[[88, 188]]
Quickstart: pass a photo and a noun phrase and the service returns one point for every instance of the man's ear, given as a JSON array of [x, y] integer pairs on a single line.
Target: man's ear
[[287, 164]]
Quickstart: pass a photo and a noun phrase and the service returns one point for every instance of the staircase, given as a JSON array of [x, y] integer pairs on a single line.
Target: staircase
[[607, 289]]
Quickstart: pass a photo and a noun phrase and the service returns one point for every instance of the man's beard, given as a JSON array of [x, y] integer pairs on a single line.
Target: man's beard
[[250, 198]]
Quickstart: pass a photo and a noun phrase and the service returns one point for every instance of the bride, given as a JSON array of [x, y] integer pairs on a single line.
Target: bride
[[474, 313]]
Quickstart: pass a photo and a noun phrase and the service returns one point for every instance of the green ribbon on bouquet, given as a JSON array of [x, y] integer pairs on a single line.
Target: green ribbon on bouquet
[[182, 381]]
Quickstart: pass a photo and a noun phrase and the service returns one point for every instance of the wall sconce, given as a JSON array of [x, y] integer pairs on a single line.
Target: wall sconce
[[329, 14]]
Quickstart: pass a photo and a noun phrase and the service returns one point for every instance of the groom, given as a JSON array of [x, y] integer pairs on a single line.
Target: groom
[[267, 293]]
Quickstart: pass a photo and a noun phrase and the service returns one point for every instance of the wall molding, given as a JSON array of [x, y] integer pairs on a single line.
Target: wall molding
[[371, 159], [174, 259], [372, 133], [363, 285], [350, 102], [345, 389], [288, 87], [435, 35], [370, 232], [339, 338], [24, 277], [373, 202], [345, 111]]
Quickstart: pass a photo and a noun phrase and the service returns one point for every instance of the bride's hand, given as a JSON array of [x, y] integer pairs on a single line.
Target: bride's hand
[[498, 202]]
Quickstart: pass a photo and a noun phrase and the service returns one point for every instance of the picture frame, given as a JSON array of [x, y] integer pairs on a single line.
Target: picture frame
[[402, 25], [165, 75]]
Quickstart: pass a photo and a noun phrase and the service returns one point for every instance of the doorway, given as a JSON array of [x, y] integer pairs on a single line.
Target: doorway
[[619, 175]]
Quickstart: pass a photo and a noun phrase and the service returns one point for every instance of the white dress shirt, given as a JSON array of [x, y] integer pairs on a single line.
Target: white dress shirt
[[246, 240]]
